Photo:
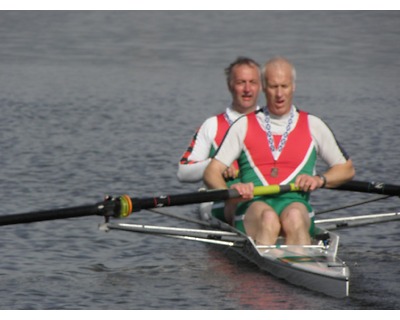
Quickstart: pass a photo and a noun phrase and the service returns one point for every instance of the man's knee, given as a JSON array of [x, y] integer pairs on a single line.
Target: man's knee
[[294, 219]]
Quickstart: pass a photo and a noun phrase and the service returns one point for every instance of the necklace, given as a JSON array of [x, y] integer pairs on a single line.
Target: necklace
[[276, 152]]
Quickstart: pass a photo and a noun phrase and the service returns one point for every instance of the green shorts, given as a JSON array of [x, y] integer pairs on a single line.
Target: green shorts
[[278, 203]]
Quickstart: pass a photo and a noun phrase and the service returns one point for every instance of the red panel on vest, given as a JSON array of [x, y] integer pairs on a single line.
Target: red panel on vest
[[293, 153]]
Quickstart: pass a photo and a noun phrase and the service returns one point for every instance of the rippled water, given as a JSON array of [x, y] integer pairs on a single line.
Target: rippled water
[[97, 103]]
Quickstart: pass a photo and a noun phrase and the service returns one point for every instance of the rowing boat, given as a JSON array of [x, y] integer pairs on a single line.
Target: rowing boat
[[315, 266]]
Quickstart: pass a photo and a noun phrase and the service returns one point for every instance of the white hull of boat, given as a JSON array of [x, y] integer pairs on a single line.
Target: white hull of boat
[[315, 267]]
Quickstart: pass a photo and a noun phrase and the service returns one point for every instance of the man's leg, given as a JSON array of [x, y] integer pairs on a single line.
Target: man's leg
[[262, 223], [296, 223]]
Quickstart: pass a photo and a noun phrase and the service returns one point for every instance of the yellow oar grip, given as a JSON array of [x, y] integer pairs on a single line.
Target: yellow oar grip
[[274, 189]]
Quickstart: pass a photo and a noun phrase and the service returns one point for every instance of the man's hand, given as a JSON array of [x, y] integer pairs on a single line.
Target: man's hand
[[309, 183], [230, 173], [246, 190]]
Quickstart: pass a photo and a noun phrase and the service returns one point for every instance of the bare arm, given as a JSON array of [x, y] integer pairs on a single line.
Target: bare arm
[[335, 176], [213, 178], [339, 174], [340, 166], [213, 175]]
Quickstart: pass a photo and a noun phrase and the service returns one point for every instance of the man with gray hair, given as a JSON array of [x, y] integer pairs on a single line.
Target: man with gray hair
[[243, 78]]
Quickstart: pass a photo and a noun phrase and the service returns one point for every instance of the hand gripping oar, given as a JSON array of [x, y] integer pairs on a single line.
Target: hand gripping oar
[[123, 206]]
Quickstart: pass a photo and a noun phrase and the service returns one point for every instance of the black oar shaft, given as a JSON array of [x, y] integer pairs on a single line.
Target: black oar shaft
[[371, 187], [73, 212], [119, 207], [127, 205], [183, 199]]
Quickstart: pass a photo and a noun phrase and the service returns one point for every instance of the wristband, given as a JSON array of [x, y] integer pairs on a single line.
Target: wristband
[[323, 179]]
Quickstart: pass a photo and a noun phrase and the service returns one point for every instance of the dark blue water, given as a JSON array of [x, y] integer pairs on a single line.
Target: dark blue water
[[96, 103]]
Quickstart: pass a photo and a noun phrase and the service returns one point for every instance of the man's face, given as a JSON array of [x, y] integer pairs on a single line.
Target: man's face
[[245, 87], [279, 88]]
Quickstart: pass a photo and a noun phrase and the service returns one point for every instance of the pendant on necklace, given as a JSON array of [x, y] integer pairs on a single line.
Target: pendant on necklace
[[274, 172]]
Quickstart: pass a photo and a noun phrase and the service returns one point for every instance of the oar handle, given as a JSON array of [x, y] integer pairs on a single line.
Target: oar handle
[[275, 189], [127, 205]]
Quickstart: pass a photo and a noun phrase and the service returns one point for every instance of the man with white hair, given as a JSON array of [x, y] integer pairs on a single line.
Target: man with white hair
[[278, 145]]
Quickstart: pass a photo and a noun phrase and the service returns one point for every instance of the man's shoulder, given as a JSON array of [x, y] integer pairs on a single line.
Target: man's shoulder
[[314, 118], [210, 123]]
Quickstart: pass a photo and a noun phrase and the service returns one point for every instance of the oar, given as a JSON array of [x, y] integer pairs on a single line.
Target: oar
[[73, 212], [124, 205], [129, 205], [371, 187]]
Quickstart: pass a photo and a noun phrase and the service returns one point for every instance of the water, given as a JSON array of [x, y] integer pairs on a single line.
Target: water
[[97, 103]]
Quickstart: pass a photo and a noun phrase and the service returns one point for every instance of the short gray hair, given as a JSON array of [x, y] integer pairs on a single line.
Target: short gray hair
[[239, 62]]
